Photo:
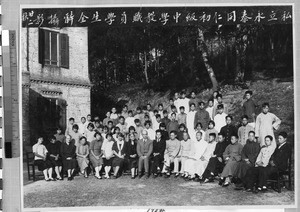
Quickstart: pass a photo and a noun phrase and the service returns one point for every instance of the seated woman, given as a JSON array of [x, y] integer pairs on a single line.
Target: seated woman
[[40, 159], [82, 152], [119, 149], [232, 155], [131, 154], [54, 156], [96, 154], [68, 153], [116, 131], [108, 154]]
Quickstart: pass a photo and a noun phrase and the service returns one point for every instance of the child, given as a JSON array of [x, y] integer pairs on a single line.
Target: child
[[151, 132], [122, 125], [75, 135], [96, 154], [70, 126], [40, 159], [211, 129], [185, 148], [216, 162], [231, 156], [228, 130], [59, 136], [265, 123], [130, 119], [220, 102], [53, 149], [181, 117], [209, 152], [244, 130], [82, 126], [89, 133], [82, 152], [173, 124], [107, 154], [171, 152], [249, 107], [198, 148], [220, 118], [190, 119], [165, 118], [202, 116], [138, 128], [161, 110], [210, 108], [114, 116], [107, 119]]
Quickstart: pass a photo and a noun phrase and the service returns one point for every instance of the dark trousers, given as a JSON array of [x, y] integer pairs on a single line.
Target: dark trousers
[[157, 162], [256, 175], [143, 163], [214, 166]]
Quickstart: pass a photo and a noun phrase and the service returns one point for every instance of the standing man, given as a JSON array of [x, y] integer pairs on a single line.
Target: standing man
[[202, 116], [228, 130], [144, 149], [249, 107], [244, 130]]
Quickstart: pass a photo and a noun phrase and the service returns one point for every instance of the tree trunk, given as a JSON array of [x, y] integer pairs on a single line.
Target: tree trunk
[[203, 49], [146, 68]]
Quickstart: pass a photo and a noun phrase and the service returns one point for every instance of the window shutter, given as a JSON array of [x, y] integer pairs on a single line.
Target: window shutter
[[64, 51], [41, 46]]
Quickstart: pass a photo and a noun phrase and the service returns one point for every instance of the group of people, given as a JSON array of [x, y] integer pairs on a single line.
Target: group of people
[[193, 143]]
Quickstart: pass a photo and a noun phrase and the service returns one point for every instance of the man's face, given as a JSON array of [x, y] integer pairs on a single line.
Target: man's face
[[75, 130], [233, 139], [158, 119], [147, 126], [171, 102], [158, 135], [172, 136], [193, 95], [160, 107], [248, 96], [97, 124], [145, 134], [110, 125], [176, 95], [219, 99], [125, 109], [245, 121], [211, 138], [114, 110], [148, 107], [220, 138], [210, 126], [266, 109], [220, 110], [40, 140], [130, 114], [268, 141], [89, 118], [182, 110], [108, 114], [183, 95], [173, 116], [251, 137], [165, 115], [210, 103], [185, 136], [198, 136], [201, 106], [281, 139], [192, 107], [122, 121], [228, 121], [83, 120]]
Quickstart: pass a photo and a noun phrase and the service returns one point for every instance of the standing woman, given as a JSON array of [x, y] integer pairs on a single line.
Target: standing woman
[[132, 154], [68, 153], [89, 133], [119, 149], [108, 154], [82, 152], [96, 154]]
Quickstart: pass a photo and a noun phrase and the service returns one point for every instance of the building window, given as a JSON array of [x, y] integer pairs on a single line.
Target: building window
[[53, 48]]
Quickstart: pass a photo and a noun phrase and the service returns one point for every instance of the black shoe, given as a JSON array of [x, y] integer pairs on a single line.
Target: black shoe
[[225, 184], [221, 181], [176, 175], [114, 177], [140, 176], [132, 177], [69, 178], [155, 176], [167, 175]]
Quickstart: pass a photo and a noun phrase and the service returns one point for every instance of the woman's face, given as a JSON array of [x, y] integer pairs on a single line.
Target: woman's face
[[98, 137], [109, 138], [233, 139], [210, 126], [267, 141], [132, 137], [82, 141], [120, 138]]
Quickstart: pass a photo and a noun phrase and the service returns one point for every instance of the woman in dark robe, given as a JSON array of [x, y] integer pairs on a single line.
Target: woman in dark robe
[[68, 153], [119, 150], [131, 154]]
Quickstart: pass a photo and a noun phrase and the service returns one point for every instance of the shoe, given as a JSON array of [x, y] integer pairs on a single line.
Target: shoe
[[115, 177], [264, 188], [167, 175], [69, 178], [52, 179], [248, 190], [177, 175], [59, 178], [155, 176], [140, 176], [47, 180], [206, 180], [221, 181], [132, 177]]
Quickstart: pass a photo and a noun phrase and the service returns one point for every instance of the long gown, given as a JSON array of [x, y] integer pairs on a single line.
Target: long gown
[[201, 165], [233, 151]]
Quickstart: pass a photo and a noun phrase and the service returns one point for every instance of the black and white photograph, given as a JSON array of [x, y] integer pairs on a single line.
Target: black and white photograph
[[157, 105]]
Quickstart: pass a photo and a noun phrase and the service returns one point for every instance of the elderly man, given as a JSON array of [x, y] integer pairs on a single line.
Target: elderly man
[[144, 149]]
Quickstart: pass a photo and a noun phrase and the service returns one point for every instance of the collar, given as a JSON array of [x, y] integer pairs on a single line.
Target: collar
[[281, 145]]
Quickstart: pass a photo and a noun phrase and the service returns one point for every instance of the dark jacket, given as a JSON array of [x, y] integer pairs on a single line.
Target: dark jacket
[[228, 131], [280, 157], [202, 116], [144, 148], [159, 147]]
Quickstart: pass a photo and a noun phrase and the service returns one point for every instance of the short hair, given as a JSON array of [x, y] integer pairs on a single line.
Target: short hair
[[162, 125], [165, 112], [120, 135], [249, 92], [52, 137], [71, 119], [158, 131], [270, 137], [174, 132], [138, 108], [181, 107], [199, 124], [245, 117], [105, 128], [125, 106], [221, 134], [130, 111], [131, 128], [155, 111], [58, 128], [148, 104], [136, 120], [219, 95], [212, 134], [283, 134], [82, 117], [212, 122], [83, 137], [229, 116], [97, 133], [88, 115], [121, 117], [210, 100], [199, 132], [251, 132], [157, 116], [221, 106], [171, 99], [266, 104], [173, 106], [160, 104], [192, 104], [147, 122], [75, 126], [173, 114], [115, 129], [110, 122], [235, 135], [90, 125], [182, 125], [108, 134], [200, 103]]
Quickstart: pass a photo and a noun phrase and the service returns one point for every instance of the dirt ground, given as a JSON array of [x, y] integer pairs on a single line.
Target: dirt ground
[[125, 191]]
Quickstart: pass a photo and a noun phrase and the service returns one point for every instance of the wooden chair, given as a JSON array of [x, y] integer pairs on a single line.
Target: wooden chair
[[279, 180], [30, 165]]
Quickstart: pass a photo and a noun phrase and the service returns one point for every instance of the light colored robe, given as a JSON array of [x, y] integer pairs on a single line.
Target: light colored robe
[[190, 118], [201, 165], [243, 133], [220, 121]]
